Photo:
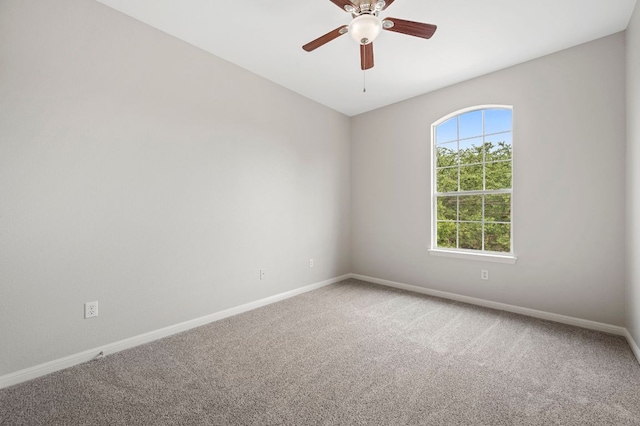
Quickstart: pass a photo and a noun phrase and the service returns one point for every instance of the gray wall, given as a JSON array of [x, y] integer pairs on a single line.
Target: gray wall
[[144, 173], [569, 186], [633, 175]]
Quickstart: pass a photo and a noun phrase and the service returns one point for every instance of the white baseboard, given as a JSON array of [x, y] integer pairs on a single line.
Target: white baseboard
[[633, 344], [563, 319], [591, 325], [79, 358]]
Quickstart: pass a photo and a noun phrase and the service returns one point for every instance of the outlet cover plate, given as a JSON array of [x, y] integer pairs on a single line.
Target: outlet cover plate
[[90, 309]]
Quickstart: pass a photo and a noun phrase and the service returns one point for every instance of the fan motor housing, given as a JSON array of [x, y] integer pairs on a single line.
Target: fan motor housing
[[365, 7]]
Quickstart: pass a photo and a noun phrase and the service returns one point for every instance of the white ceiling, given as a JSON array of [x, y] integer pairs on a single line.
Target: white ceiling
[[473, 38]]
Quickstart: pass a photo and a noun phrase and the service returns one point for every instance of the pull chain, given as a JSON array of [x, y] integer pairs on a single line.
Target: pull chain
[[364, 81]]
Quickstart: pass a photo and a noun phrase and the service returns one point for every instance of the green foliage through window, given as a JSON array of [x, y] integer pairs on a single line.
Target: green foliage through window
[[473, 156]]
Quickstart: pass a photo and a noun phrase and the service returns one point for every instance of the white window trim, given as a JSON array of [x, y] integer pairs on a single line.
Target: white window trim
[[473, 255], [486, 256]]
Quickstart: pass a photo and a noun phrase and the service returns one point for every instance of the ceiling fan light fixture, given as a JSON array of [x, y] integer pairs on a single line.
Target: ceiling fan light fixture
[[365, 28]]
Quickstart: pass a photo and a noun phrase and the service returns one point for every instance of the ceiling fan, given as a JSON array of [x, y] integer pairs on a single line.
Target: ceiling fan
[[366, 26]]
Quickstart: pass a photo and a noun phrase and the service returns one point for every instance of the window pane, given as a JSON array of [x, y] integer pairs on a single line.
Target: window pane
[[447, 131], [447, 179], [470, 235], [497, 120], [471, 208], [498, 175], [471, 178], [447, 154], [497, 237], [471, 151], [447, 208], [471, 124], [447, 234], [497, 208], [498, 147]]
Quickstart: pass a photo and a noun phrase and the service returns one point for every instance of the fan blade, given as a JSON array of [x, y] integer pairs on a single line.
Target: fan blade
[[417, 29], [366, 56], [388, 3], [343, 3], [326, 38]]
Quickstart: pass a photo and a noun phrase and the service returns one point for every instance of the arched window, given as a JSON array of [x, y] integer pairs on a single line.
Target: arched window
[[472, 181]]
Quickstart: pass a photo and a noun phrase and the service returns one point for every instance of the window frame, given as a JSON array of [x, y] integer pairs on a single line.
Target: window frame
[[460, 253]]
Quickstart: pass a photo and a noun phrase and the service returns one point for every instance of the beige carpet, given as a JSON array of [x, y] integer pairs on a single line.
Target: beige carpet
[[348, 354]]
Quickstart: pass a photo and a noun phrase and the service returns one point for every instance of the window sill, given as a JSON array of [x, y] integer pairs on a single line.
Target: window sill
[[483, 257]]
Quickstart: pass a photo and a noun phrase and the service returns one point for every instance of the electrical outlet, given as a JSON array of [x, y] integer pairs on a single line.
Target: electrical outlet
[[484, 274], [90, 309], [310, 263], [262, 274]]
